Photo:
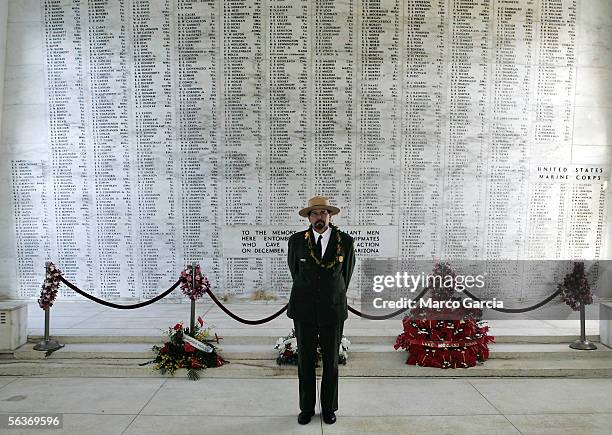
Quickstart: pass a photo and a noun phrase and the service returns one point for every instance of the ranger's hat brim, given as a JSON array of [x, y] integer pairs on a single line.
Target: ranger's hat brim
[[318, 203]]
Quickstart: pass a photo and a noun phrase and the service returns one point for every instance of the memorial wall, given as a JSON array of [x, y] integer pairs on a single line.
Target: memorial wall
[[140, 135]]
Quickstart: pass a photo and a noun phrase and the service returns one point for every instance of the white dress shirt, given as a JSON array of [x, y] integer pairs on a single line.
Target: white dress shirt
[[324, 241]]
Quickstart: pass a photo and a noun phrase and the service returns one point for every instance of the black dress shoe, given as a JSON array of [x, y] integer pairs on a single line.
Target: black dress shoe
[[304, 417], [329, 417]]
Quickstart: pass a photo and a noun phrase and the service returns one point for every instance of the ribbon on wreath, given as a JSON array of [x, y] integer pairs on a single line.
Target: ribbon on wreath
[[445, 344]]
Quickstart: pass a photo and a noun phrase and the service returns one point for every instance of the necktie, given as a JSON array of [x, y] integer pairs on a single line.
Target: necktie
[[320, 246]]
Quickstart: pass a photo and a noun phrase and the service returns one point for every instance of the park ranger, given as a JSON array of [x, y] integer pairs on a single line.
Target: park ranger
[[321, 261]]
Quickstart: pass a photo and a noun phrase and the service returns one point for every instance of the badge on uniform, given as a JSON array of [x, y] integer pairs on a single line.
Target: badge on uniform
[[341, 259]]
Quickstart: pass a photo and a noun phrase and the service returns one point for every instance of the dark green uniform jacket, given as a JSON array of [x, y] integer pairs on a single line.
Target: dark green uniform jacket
[[318, 294]]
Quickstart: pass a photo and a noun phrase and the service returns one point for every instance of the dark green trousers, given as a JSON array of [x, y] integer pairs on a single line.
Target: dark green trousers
[[330, 337]]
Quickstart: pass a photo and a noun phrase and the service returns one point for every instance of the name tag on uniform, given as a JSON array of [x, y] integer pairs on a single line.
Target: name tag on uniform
[[302, 259]]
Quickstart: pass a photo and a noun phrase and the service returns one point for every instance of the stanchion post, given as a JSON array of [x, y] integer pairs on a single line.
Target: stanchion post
[[193, 306], [582, 343], [46, 343]]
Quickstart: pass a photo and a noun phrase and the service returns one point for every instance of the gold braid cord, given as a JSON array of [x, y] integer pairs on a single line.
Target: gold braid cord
[[338, 256]]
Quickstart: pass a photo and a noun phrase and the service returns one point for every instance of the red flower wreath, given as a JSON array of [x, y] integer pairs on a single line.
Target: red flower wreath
[[432, 340]]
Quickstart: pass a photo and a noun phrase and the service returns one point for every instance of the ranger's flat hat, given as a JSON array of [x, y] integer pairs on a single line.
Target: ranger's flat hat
[[318, 203]]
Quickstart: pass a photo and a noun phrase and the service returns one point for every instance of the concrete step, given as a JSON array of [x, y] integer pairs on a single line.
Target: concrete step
[[267, 352], [254, 356], [270, 340], [389, 365]]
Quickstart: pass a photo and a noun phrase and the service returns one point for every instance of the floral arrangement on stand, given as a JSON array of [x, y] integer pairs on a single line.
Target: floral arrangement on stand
[[445, 337], [193, 352], [575, 289], [193, 284], [195, 349], [288, 350], [50, 286]]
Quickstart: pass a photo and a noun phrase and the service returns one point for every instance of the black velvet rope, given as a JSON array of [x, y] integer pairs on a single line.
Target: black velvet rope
[[166, 293], [282, 310], [240, 319], [118, 306], [518, 310]]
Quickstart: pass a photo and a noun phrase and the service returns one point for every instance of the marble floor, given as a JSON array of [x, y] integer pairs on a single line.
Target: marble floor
[[270, 406]]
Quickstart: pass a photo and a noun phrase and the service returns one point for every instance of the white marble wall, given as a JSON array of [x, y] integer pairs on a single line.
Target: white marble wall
[[24, 127], [7, 255], [25, 138], [593, 113]]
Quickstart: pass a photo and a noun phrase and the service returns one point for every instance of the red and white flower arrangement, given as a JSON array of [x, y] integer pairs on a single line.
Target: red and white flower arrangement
[[288, 350], [193, 352]]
